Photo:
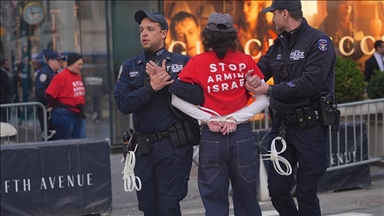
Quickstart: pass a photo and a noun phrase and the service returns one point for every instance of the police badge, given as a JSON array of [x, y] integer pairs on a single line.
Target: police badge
[[322, 44]]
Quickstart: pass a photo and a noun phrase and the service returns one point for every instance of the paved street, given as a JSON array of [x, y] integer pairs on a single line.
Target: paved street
[[357, 202]]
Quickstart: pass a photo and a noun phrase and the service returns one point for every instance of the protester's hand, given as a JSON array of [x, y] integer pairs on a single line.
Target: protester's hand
[[215, 126], [158, 75], [229, 126]]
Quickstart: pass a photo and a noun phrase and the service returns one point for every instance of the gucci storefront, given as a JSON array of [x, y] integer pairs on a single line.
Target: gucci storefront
[[105, 33]]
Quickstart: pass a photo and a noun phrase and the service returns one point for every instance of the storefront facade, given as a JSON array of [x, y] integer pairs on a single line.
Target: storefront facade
[[105, 33]]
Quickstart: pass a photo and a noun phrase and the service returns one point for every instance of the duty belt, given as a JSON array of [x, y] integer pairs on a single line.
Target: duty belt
[[156, 136], [305, 117]]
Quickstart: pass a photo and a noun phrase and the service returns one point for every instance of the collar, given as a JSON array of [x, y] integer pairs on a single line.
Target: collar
[[141, 59], [377, 55]]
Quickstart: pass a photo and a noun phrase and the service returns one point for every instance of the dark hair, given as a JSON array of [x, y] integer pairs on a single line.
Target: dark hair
[[296, 15], [182, 15], [377, 44], [219, 42]]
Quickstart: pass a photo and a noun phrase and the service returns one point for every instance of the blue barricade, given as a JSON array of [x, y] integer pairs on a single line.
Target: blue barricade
[[63, 177]]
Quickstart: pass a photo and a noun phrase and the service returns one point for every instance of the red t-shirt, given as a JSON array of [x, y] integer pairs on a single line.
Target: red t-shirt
[[67, 88], [222, 80]]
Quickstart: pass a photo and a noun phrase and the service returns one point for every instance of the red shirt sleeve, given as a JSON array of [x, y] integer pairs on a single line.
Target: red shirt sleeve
[[188, 74]]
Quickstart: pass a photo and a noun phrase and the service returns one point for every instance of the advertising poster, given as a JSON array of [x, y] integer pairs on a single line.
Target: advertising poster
[[352, 25]]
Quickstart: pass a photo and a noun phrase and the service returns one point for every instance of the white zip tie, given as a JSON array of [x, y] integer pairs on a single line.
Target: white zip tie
[[226, 119], [276, 159], [131, 182]]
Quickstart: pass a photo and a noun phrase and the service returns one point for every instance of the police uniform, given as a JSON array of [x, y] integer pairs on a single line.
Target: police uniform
[[302, 64], [43, 79], [164, 171]]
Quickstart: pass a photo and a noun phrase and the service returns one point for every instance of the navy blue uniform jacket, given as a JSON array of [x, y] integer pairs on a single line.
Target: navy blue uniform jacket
[[302, 64], [152, 110], [42, 83]]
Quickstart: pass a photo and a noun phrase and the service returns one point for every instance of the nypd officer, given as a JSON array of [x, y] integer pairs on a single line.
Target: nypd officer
[[302, 63], [163, 162], [43, 79]]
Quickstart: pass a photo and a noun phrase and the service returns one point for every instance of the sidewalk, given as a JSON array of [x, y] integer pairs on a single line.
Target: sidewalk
[[372, 198]]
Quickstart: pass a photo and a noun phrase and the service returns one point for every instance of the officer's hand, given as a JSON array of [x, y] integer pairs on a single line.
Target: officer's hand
[[158, 75], [254, 80], [153, 68], [261, 90]]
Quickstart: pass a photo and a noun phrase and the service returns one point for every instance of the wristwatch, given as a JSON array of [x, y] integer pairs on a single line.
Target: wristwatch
[[269, 91]]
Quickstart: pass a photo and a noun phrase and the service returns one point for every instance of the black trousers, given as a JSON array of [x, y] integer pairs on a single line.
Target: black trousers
[[307, 149]]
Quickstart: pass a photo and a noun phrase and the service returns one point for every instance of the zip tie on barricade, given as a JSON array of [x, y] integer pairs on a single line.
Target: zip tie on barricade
[[128, 174], [276, 159], [221, 119]]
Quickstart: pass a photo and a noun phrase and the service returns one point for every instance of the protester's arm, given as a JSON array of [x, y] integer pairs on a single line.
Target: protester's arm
[[261, 102], [190, 109]]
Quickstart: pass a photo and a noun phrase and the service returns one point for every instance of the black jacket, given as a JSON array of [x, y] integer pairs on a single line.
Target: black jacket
[[370, 65], [5, 87], [302, 64], [43, 79], [152, 111]]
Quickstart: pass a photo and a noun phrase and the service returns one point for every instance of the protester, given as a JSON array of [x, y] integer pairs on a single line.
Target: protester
[[163, 159], [227, 145], [43, 79], [65, 97], [302, 63]]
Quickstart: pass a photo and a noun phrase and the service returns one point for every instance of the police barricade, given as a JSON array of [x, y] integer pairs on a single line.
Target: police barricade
[[63, 177], [23, 116], [359, 143], [350, 146]]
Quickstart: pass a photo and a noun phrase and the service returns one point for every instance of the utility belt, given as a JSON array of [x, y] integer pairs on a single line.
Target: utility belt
[[180, 134], [325, 111]]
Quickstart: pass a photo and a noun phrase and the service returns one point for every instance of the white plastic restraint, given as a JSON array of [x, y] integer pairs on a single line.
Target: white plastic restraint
[[276, 159], [226, 119], [131, 182]]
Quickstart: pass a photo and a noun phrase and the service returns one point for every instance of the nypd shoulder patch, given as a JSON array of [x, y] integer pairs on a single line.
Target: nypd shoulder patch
[[42, 77], [322, 44]]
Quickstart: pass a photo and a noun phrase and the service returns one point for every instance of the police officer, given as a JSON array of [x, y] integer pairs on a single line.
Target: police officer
[[302, 63], [43, 79], [162, 163]]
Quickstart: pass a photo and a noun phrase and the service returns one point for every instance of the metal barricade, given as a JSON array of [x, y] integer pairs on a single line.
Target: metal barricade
[[23, 116], [359, 115], [364, 117]]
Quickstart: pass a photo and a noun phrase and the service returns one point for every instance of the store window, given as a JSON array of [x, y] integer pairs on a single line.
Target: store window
[[29, 27]]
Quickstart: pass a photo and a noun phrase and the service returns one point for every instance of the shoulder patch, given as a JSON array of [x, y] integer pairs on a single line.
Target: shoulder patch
[[120, 71], [322, 44], [42, 77]]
